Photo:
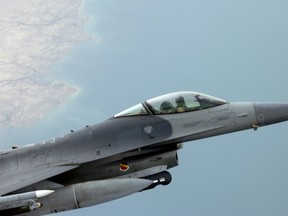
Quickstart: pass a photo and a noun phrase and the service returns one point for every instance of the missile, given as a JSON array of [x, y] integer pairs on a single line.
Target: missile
[[25, 196], [23, 202]]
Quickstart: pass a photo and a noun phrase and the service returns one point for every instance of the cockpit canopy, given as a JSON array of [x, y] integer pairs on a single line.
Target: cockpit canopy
[[177, 102]]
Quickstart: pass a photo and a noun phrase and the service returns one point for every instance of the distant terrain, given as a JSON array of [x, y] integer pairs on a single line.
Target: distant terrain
[[35, 34]]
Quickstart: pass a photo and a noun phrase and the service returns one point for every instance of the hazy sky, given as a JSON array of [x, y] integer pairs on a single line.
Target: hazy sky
[[129, 51]]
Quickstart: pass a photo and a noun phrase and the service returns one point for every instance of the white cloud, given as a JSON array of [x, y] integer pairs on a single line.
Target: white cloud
[[34, 35]]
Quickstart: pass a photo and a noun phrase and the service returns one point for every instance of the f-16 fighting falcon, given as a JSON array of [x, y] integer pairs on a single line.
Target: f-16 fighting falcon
[[128, 153]]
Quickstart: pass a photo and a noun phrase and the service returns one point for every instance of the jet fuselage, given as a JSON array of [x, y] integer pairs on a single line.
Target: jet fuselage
[[134, 148]]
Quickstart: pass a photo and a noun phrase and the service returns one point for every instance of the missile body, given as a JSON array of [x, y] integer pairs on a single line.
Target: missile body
[[24, 196], [21, 203]]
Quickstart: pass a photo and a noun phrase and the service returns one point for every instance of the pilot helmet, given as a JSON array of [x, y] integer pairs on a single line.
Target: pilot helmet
[[166, 105], [180, 100]]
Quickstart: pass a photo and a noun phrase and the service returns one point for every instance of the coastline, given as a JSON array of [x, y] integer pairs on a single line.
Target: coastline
[[34, 41]]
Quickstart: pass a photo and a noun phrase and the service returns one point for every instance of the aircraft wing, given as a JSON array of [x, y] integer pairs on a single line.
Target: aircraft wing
[[15, 180]]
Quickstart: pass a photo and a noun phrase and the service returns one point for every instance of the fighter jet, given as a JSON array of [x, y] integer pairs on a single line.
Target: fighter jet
[[128, 153]]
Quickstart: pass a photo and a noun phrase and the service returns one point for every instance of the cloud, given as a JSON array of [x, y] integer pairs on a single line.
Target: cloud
[[34, 35]]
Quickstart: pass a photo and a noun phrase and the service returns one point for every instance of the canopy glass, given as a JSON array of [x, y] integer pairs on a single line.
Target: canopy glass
[[173, 103]]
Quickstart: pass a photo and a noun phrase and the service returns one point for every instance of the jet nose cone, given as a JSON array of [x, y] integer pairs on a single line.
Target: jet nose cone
[[270, 113]]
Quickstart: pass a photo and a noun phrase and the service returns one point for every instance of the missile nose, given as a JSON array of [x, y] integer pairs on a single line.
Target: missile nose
[[270, 113], [42, 193]]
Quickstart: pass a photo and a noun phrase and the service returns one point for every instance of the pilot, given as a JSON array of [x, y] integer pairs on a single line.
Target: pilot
[[166, 108], [181, 106]]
